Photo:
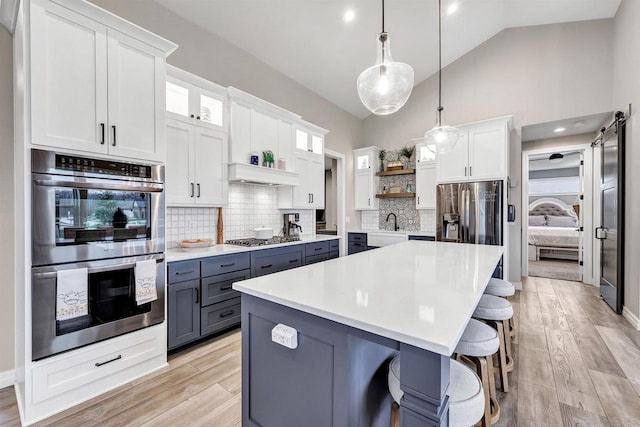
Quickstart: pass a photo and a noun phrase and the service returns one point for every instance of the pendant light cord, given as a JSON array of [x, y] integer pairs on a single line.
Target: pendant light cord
[[440, 108], [383, 16]]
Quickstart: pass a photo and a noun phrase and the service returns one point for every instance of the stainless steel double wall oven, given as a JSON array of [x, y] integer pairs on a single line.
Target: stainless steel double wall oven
[[104, 216]]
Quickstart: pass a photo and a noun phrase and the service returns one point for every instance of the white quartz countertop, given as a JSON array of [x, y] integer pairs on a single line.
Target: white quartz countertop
[[179, 254], [417, 292]]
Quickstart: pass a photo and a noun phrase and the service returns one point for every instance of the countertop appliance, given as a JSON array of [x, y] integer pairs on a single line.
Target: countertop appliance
[[250, 242], [471, 212], [106, 217], [291, 226]]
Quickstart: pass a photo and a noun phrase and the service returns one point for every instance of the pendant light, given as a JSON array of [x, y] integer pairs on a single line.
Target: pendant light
[[442, 138], [385, 87]]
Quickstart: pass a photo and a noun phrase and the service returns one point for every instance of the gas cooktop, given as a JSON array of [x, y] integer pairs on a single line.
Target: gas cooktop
[[262, 242]]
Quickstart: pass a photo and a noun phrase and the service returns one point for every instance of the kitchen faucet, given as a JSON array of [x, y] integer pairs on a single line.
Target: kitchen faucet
[[395, 221]]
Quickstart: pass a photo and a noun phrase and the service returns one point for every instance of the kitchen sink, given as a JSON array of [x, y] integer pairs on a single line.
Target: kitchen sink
[[386, 238]]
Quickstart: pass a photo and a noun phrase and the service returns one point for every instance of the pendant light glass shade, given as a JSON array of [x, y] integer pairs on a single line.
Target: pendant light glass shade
[[442, 138], [385, 87]]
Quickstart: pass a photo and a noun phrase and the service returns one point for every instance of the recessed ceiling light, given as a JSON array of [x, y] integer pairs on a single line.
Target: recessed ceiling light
[[349, 15], [453, 7], [558, 130]]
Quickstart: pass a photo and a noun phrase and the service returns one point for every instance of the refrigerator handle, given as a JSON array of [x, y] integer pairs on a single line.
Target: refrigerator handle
[[468, 216]]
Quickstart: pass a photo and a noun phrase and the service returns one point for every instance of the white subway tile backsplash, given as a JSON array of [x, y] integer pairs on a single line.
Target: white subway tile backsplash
[[369, 220], [428, 220], [250, 206]]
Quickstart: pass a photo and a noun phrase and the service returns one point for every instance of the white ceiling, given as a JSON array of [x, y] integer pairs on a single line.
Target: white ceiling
[[573, 126], [308, 40]]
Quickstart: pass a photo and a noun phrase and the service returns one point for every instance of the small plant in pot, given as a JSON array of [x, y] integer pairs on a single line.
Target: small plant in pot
[[381, 155], [408, 151]]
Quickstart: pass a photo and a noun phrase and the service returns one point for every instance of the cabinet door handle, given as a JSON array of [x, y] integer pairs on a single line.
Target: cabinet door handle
[[184, 272], [312, 199], [192, 189], [317, 249], [465, 171], [198, 185], [118, 357], [418, 199], [266, 266], [470, 174], [197, 292], [192, 116], [198, 118], [226, 313], [114, 135], [102, 133], [291, 261], [369, 201], [225, 288], [227, 265]]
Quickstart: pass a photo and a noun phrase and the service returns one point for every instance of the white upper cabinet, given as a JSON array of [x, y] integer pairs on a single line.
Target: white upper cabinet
[[97, 82], [196, 172], [481, 154], [309, 193], [193, 99], [425, 179], [366, 163], [197, 158]]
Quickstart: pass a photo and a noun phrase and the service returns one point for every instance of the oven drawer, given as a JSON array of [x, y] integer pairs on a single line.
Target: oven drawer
[[224, 264], [219, 316], [183, 270], [218, 288], [69, 371]]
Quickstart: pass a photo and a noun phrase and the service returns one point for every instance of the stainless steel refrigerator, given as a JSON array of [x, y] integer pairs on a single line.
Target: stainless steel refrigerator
[[471, 212]]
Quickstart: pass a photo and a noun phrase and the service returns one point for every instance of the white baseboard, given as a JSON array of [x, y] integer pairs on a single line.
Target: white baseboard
[[631, 318], [7, 378], [517, 285]]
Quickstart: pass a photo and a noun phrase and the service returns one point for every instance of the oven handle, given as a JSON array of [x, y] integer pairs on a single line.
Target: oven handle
[[150, 188], [54, 274]]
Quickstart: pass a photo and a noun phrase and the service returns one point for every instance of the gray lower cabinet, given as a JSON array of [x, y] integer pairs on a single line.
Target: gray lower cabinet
[[334, 248], [419, 237], [183, 312], [316, 252], [267, 261], [205, 303], [357, 242]]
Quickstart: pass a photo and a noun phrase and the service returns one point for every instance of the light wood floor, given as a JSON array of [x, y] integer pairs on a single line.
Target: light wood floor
[[577, 364]]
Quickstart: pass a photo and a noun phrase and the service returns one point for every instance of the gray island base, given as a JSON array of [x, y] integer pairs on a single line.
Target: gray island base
[[337, 376], [350, 317]]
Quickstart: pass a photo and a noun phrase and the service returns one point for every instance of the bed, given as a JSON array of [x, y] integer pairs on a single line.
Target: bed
[[553, 230]]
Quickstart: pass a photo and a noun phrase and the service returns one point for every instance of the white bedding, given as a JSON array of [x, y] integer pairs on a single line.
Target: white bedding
[[560, 237]]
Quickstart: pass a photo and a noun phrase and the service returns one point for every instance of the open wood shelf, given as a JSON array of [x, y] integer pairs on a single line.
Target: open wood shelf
[[398, 172], [395, 195]]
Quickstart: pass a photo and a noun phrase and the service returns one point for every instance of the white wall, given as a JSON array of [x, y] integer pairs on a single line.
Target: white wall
[[219, 61], [537, 74], [6, 214], [626, 90]]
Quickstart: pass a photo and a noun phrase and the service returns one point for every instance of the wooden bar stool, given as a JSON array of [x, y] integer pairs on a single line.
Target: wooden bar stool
[[498, 311], [466, 396], [478, 344], [502, 288]]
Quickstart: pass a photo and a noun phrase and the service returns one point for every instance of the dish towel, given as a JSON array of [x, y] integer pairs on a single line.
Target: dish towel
[[145, 272], [71, 300]]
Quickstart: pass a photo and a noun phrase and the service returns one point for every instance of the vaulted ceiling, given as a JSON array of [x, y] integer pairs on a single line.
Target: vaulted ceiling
[[309, 41]]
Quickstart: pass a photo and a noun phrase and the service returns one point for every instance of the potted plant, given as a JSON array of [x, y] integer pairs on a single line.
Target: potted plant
[[381, 155], [408, 151]]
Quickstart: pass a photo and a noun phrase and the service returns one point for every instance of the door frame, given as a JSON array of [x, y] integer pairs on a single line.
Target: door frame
[[591, 203], [340, 196]]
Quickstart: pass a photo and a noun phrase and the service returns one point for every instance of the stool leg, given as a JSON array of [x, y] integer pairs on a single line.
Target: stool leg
[[502, 354], [395, 415], [495, 410], [507, 343], [483, 370]]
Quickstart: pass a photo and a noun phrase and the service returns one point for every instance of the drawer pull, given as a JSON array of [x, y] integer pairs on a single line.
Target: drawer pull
[[291, 261], [185, 272], [317, 249], [227, 313], [227, 265], [98, 364], [225, 288], [267, 266]]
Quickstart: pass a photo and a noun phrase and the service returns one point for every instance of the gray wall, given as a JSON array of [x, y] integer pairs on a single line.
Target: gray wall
[[537, 74], [626, 89], [6, 214], [225, 64]]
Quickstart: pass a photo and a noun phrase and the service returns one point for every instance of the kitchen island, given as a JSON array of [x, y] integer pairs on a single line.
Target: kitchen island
[[350, 316]]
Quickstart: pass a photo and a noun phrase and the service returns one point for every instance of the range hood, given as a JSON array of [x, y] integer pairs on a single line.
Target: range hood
[[253, 174]]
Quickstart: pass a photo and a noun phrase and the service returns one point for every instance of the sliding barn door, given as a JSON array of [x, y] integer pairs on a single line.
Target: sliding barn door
[[611, 231]]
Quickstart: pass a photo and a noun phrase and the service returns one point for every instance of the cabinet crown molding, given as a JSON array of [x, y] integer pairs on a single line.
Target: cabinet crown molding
[[237, 95]]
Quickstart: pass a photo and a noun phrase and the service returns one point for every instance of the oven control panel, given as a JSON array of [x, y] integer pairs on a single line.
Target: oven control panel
[[106, 167]]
